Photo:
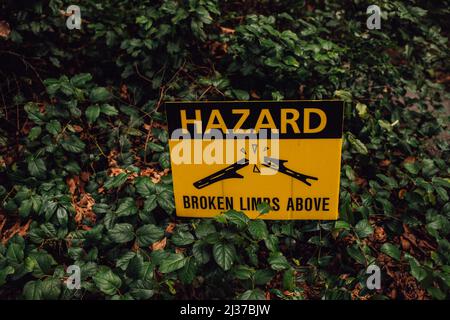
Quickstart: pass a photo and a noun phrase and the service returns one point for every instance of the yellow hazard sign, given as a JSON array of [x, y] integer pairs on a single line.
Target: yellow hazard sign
[[238, 154]]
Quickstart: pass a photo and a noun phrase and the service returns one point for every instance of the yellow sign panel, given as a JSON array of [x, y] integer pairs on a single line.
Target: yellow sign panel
[[237, 155]]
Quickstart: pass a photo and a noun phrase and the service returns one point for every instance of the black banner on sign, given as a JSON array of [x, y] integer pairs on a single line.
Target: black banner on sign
[[292, 119]]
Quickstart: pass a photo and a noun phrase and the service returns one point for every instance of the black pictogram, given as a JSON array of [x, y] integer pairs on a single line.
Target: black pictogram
[[278, 165], [230, 172]]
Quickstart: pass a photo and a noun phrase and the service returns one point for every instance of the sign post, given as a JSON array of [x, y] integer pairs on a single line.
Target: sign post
[[238, 154]]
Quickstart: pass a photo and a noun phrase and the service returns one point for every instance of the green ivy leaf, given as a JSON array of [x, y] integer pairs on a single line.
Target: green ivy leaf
[[122, 233], [107, 281], [73, 144], [173, 262], [263, 208], [92, 113], [291, 61], [363, 228], [145, 187], [357, 144], [240, 94], [263, 276], [15, 253], [166, 201], [51, 288], [342, 225], [116, 181], [80, 79], [150, 203], [142, 290], [164, 160], [155, 147], [224, 255], [238, 218], [442, 193], [25, 208], [33, 290], [148, 234], [99, 94], [243, 272], [271, 242], [361, 108], [34, 133], [289, 279], [255, 294], [345, 95], [135, 267], [62, 216], [182, 238], [4, 274], [53, 127], [36, 167], [109, 110], [258, 229], [127, 208], [417, 271], [391, 250], [356, 253], [188, 272], [278, 262], [200, 252]]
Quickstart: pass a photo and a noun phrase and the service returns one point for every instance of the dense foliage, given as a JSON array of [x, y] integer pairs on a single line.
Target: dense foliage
[[84, 163]]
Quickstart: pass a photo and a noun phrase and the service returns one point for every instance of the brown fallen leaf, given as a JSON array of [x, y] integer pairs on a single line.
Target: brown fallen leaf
[[254, 95], [147, 172], [72, 184], [83, 208], [85, 176], [393, 294], [410, 159], [360, 181], [409, 235], [2, 222], [77, 128], [24, 229], [344, 276], [180, 250], [405, 243], [16, 229], [379, 234], [124, 92], [135, 247], [227, 30], [410, 289], [426, 245], [116, 171], [112, 162], [218, 49], [5, 30], [159, 245], [170, 227]]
